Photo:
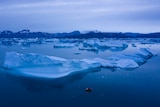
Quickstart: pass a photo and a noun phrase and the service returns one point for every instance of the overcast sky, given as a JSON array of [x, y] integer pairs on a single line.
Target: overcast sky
[[68, 15]]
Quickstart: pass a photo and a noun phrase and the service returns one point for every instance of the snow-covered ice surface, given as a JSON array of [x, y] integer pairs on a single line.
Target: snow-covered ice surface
[[38, 65]]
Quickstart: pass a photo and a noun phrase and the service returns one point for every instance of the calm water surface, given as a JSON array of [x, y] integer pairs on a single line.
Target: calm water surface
[[111, 87]]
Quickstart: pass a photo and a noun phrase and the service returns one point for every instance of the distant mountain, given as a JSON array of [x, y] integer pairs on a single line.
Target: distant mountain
[[76, 34], [71, 34], [22, 34]]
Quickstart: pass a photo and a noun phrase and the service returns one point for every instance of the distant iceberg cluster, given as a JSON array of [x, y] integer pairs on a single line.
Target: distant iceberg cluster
[[39, 65], [94, 45], [101, 45]]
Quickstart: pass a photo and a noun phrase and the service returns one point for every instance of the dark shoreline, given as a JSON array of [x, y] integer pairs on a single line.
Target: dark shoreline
[[76, 34]]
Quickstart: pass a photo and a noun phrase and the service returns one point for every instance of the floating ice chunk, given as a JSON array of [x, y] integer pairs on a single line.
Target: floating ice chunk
[[113, 44], [64, 45], [33, 64], [97, 45], [93, 49]]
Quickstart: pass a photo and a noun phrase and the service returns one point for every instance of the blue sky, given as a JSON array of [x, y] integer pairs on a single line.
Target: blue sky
[[68, 15]]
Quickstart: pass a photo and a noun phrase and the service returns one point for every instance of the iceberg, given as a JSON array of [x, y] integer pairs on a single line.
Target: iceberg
[[98, 45], [64, 45], [38, 65], [93, 45]]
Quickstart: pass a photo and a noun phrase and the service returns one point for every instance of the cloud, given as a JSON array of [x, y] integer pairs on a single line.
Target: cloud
[[49, 4], [65, 15]]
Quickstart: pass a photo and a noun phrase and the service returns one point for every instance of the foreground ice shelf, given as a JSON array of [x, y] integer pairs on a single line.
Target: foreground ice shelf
[[38, 65]]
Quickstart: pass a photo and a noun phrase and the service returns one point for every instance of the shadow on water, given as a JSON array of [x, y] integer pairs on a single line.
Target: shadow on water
[[39, 84]]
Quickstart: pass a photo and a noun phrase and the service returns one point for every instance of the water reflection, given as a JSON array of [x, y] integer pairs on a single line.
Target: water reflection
[[39, 84]]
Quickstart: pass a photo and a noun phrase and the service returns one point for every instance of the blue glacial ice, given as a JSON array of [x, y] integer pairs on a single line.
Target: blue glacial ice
[[102, 45], [93, 45], [37, 65], [64, 45], [38, 72]]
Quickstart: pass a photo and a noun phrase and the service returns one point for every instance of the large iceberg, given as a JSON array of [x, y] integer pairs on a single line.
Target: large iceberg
[[38, 65]]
